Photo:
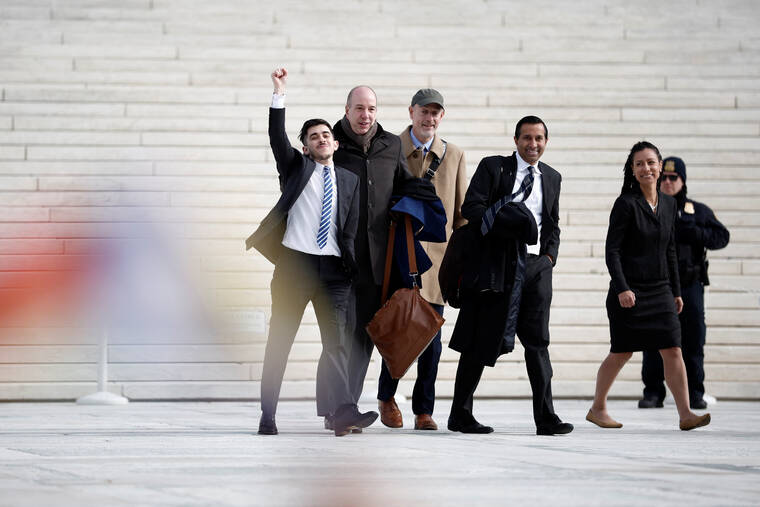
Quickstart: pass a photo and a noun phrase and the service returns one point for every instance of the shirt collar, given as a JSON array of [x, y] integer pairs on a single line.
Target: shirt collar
[[320, 167], [523, 165], [417, 143]]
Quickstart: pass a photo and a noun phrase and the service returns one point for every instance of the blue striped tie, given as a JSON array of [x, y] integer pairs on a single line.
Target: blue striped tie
[[324, 221], [488, 217]]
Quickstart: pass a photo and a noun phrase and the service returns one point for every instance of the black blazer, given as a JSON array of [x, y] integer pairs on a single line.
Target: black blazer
[[640, 246], [295, 169], [497, 178]]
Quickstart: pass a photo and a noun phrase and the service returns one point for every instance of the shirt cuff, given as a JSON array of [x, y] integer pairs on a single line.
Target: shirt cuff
[[278, 101]]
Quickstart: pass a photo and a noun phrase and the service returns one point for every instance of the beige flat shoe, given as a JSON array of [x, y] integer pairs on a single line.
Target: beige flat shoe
[[602, 424], [695, 422]]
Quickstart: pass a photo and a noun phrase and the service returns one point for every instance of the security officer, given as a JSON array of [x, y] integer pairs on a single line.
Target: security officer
[[697, 230]]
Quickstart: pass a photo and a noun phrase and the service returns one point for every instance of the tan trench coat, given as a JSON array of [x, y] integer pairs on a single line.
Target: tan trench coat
[[450, 183]]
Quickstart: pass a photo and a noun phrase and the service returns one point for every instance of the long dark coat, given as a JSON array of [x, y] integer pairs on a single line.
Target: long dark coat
[[381, 172], [488, 316]]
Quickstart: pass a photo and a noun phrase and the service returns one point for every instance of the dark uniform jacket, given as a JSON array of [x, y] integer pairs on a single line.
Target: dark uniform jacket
[[295, 169], [493, 264], [381, 171], [697, 230]]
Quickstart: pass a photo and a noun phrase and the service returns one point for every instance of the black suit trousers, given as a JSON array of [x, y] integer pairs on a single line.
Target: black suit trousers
[[533, 332], [300, 278], [365, 303]]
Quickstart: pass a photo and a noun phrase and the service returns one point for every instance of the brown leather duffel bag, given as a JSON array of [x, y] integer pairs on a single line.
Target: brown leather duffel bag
[[406, 324]]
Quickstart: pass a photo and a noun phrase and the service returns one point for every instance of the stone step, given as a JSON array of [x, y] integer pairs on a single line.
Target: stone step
[[309, 332], [83, 123], [117, 198], [105, 94], [510, 367], [184, 195], [727, 218], [70, 76], [514, 64], [293, 390], [654, 69], [102, 50], [303, 352], [469, 143], [146, 153]]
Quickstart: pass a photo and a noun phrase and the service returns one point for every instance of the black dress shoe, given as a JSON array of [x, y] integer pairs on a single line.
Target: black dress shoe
[[329, 424], [348, 419], [267, 425], [558, 428], [698, 404], [468, 425], [650, 403]]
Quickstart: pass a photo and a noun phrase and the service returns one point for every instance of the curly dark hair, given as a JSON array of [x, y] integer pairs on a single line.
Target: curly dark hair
[[630, 185]]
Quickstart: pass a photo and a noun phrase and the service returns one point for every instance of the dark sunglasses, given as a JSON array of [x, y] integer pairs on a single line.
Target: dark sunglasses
[[670, 177]]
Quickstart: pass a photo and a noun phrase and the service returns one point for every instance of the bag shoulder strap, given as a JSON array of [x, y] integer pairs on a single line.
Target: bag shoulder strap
[[435, 163], [410, 250], [389, 256]]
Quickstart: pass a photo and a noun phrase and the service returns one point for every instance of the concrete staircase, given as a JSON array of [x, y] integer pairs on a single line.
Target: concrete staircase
[[134, 118]]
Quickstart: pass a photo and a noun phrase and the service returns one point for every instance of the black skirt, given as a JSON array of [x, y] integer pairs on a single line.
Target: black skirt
[[651, 324]]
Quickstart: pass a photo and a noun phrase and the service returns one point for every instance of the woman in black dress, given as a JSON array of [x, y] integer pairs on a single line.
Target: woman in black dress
[[644, 297]]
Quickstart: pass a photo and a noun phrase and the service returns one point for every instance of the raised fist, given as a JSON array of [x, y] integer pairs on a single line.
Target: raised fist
[[280, 79]]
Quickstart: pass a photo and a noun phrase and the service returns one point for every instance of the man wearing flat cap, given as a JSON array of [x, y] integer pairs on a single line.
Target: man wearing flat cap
[[697, 230], [428, 156]]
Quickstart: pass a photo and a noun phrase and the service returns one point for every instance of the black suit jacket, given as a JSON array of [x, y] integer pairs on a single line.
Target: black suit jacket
[[497, 178], [640, 246], [295, 169]]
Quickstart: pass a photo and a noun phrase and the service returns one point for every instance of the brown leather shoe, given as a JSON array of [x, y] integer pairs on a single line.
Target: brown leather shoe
[[424, 422], [390, 415]]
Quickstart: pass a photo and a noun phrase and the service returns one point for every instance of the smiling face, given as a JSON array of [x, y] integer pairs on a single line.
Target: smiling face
[[646, 167], [425, 120], [361, 110], [531, 142], [320, 144]]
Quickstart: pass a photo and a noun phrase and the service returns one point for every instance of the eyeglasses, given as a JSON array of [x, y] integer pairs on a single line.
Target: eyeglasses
[[670, 177]]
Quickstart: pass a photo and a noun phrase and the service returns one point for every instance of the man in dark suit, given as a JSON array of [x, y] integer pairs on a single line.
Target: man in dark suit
[[506, 260], [309, 236], [376, 157]]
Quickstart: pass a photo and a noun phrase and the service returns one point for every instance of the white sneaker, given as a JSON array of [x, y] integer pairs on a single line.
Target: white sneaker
[[710, 400]]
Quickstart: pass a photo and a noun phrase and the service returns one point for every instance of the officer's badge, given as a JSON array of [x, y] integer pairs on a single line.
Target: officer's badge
[[688, 208], [670, 166]]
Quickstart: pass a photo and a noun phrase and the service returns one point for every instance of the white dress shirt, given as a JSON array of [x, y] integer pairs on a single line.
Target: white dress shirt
[[304, 216], [535, 200]]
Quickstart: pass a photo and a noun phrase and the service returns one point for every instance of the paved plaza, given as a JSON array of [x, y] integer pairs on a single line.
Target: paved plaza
[[196, 453]]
